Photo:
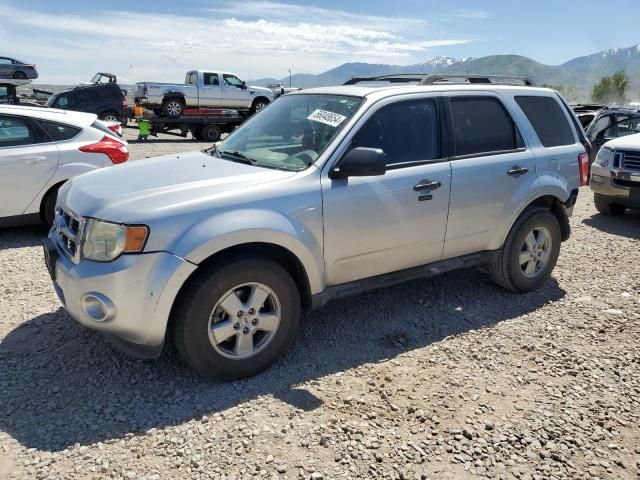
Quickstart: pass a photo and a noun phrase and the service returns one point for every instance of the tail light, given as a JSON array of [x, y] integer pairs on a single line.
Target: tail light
[[583, 165], [116, 128], [115, 150]]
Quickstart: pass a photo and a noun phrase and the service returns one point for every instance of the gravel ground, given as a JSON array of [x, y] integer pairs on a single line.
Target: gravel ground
[[442, 378]]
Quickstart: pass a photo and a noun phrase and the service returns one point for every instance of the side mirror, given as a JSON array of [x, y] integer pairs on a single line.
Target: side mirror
[[360, 162], [244, 86]]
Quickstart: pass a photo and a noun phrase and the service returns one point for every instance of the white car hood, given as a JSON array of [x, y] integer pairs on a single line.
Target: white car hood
[[631, 142], [160, 187], [267, 91]]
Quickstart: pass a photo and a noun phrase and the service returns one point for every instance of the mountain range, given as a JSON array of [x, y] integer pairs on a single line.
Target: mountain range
[[577, 76]]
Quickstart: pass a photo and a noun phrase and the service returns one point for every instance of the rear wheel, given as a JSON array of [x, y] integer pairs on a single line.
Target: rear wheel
[[48, 210], [210, 133], [235, 319], [605, 206], [173, 107], [110, 117], [530, 252], [20, 76]]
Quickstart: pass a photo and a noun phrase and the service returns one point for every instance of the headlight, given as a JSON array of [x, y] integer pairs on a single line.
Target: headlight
[[603, 157], [106, 241]]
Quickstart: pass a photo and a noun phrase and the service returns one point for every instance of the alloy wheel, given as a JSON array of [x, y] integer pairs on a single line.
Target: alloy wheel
[[535, 252], [244, 321]]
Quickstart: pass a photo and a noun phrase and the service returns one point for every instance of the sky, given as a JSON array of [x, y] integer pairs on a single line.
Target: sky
[[138, 40]]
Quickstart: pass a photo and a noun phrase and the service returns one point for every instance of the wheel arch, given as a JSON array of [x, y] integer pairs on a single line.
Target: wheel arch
[[283, 256], [260, 97], [45, 195], [549, 201]]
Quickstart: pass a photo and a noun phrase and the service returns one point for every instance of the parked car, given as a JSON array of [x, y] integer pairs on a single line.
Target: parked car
[[12, 68], [8, 94], [204, 89], [103, 99], [40, 149], [611, 123], [615, 176], [586, 113], [328, 192]]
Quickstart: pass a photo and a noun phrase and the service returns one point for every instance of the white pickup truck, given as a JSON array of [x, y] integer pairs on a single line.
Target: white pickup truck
[[202, 88]]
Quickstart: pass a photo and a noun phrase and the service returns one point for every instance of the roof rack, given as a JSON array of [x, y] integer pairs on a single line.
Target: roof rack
[[398, 78], [434, 79], [477, 79]]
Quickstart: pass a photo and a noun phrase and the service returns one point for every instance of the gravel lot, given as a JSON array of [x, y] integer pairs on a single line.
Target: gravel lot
[[444, 378]]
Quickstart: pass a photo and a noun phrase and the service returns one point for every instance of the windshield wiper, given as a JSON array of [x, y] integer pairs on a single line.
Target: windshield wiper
[[236, 157]]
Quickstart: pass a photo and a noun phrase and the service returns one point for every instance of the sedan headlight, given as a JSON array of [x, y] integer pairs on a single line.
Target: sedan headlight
[[603, 157], [106, 241]]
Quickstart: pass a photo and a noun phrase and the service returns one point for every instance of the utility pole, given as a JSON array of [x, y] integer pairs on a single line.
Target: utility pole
[[289, 78]]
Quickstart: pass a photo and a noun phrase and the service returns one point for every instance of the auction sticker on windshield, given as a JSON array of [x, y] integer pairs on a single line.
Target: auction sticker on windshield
[[328, 118]]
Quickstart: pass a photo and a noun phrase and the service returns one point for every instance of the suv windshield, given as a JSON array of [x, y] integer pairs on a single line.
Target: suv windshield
[[292, 132]]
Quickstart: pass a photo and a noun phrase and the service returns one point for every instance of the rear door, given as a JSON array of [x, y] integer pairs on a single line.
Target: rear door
[[6, 67], [27, 162], [209, 92], [491, 171]]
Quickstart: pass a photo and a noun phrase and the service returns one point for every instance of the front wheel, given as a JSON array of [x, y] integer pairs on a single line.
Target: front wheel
[[258, 105], [605, 206], [210, 133], [530, 252], [235, 319]]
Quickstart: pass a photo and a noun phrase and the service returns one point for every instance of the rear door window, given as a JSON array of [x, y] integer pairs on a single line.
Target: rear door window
[[548, 120], [210, 79], [16, 132], [481, 125], [406, 131]]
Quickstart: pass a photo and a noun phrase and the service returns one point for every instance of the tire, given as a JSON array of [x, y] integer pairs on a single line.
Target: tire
[[172, 107], [199, 307], [606, 207], [19, 75], [48, 210], [258, 105], [110, 117], [508, 271], [210, 133]]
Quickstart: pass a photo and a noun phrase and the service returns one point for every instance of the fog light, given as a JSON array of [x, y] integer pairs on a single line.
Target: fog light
[[597, 178], [98, 307]]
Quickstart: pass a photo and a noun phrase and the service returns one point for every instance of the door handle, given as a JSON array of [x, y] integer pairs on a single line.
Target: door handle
[[425, 184], [33, 160], [516, 171]]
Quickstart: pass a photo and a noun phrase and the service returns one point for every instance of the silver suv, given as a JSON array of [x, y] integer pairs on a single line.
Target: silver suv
[[328, 192], [615, 174]]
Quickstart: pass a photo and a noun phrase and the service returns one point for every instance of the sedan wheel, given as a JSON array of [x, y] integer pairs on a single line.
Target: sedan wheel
[[20, 76]]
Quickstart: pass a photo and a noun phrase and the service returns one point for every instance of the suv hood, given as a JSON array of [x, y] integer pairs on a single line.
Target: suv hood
[[142, 191]]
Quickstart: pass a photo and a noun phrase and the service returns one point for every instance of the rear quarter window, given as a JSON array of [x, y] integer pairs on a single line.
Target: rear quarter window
[[57, 131], [548, 120]]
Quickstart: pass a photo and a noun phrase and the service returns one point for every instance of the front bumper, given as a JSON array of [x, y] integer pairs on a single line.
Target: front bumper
[[623, 187], [129, 299]]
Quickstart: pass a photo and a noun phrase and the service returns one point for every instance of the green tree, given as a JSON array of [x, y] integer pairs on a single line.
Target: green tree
[[611, 89]]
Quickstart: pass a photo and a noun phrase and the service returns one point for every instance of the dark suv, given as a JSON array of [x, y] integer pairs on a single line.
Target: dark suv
[[105, 100], [611, 123]]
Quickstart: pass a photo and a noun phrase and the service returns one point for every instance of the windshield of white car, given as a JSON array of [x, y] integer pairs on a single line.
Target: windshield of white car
[[291, 133]]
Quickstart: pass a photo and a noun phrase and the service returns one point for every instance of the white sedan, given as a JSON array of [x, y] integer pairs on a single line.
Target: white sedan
[[40, 149]]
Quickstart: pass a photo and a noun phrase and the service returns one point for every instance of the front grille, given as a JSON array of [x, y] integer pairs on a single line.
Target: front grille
[[631, 160], [68, 231]]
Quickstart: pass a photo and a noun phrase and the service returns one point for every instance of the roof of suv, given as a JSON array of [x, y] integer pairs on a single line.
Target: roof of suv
[[376, 92], [52, 114]]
